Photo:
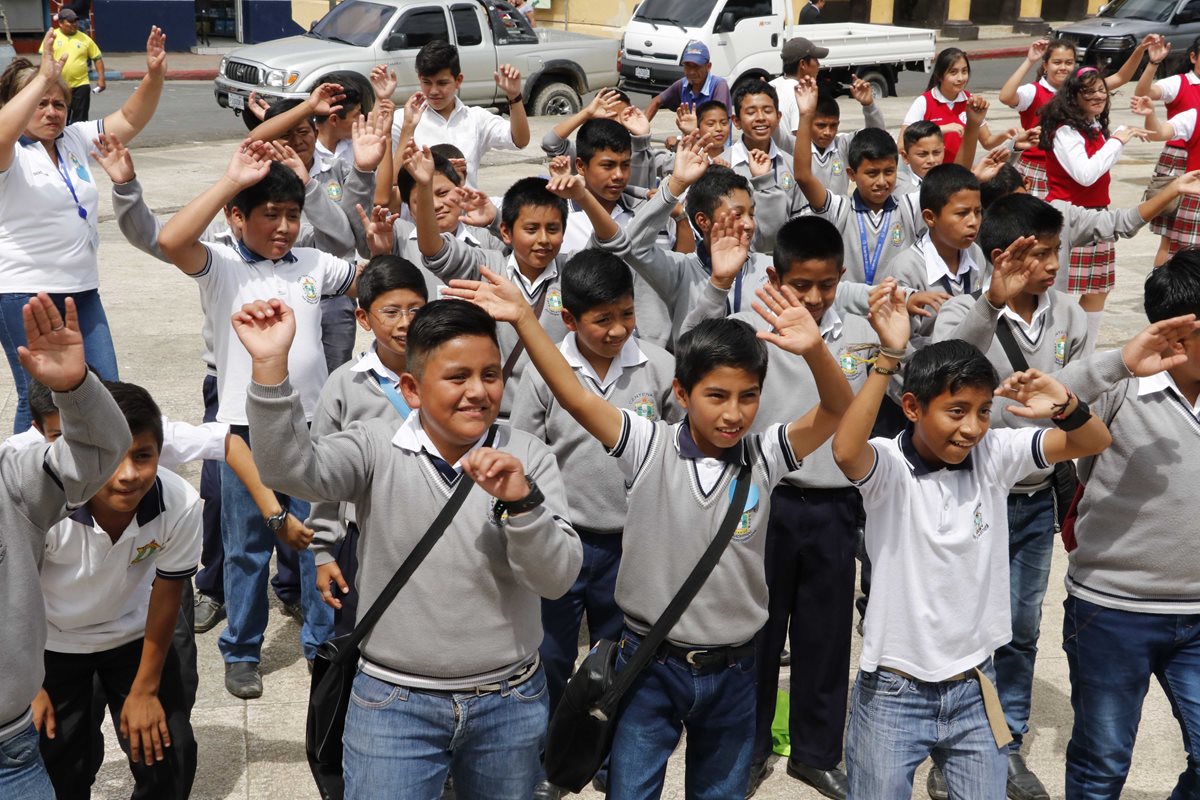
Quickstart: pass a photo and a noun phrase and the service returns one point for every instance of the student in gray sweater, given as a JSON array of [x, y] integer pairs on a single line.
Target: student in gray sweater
[[43, 484], [679, 479], [460, 642]]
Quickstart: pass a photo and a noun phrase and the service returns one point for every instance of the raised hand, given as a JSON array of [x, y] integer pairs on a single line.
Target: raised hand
[[250, 163], [476, 207], [1037, 50], [53, 350], [1026, 138], [508, 78], [806, 96], [889, 315], [987, 167], [792, 325], [759, 163], [568, 187], [1125, 134], [1035, 395], [51, 67], [1160, 346], [1141, 106], [977, 108], [496, 295], [414, 107], [952, 127], [604, 104], [257, 106], [1158, 50], [285, 155], [1011, 271], [1188, 183], [691, 162], [498, 473], [386, 109], [371, 136], [266, 329], [325, 99], [560, 165], [156, 51], [419, 163], [383, 81], [685, 118], [926, 303], [862, 91], [729, 247], [380, 229], [634, 120], [113, 157]]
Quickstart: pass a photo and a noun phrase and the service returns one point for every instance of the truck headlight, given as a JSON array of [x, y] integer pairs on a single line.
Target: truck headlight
[[281, 78], [1115, 42], [221, 66]]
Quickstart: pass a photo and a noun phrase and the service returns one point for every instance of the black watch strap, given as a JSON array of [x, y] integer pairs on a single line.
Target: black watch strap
[[1076, 419], [527, 503]]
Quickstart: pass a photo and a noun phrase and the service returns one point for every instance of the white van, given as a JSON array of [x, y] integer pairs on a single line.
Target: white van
[[744, 38]]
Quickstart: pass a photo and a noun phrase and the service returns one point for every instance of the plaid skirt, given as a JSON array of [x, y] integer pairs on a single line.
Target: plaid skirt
[[1183, 230], [1034, 172], [1171, 161], [1093, 268]]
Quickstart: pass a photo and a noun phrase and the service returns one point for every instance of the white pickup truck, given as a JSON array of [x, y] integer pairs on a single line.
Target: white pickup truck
[[744, 38]]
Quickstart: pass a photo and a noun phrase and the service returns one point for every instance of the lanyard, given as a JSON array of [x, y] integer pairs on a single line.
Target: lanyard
[[737, 292], [65, 174], [389, 391], [871, 262]]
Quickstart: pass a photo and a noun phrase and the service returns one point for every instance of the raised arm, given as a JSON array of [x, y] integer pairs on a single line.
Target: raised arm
[[16, 114], [508, 80], [1159, 130], [806, 104], [603, 106], [1146, 85], [573, 188], [128, 121], [1008, 92], [977, 108], [1039, 396], [321, 102], [1125, 74]]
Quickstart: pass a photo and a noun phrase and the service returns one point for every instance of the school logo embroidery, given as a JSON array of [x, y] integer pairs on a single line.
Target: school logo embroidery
[[981, 527], [897, 235], [554, 301], [787, 182], [145, 552], [849, 364], [493, 517], [745, 526], [1060, 348], [334, 190], [308, 287], [837, 166], [644, 406]]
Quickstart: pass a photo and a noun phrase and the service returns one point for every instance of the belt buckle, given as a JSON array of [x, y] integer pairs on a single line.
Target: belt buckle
[[691, 657]]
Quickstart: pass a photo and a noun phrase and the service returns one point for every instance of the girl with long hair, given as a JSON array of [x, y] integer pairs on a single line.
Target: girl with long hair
[[944, 103]]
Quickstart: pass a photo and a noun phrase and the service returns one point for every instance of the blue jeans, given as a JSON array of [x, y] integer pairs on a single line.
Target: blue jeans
[[1030, 547], [896, 723], [248, 544], [1112, 655], [715, 705], [210, 580], [402, 742], [93, 324], [22, 773]]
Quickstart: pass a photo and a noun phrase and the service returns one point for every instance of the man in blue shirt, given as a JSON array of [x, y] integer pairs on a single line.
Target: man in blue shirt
[[698, 84]]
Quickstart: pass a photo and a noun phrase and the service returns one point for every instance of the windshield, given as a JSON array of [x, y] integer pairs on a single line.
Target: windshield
[[353, 22], [682, 13], [1152, 10]]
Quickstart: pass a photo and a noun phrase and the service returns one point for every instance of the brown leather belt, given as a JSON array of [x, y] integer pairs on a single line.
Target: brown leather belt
[[991, 699]]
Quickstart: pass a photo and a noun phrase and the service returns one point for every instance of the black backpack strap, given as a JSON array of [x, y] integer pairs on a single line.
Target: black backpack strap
[[1008, 341]]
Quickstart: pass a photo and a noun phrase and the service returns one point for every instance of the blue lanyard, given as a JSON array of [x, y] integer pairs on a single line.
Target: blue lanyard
[[65, 174], [871, 263], [389, 391], [737, 291]]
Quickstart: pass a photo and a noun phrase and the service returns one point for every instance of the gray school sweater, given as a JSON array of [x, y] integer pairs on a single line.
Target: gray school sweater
[[346, 397], [830, 166], [644, 172], [594, 482], [1085, 226], [776, 198], [910, 271], [1062, 339], [42, 486], [474, 606], [1137, 520], [901, 227]]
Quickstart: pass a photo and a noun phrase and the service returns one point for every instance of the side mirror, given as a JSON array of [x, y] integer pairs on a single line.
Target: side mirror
[[1102, 9], [396, 41], [726, 22]]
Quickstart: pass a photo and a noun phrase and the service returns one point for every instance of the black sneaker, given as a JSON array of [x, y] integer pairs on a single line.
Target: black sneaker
[[758, 774], [935, 784], [1022, 783], [547, 791], [243, 680], [208, 611]]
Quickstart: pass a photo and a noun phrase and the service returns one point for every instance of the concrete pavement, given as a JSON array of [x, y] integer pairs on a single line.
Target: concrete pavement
[[255, 749]]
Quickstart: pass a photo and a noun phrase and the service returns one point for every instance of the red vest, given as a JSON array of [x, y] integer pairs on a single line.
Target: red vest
[[1193, 147], [940, 113], [1188, 97], [1030, 117], [1064, 187]]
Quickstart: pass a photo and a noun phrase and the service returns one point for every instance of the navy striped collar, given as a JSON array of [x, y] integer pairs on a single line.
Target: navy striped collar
[[150, 508], [688, 448], [920, 466], [251, 257]]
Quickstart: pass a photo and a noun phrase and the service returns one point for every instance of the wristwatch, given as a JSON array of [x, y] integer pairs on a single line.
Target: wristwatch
[[276, 521], [527, 503]]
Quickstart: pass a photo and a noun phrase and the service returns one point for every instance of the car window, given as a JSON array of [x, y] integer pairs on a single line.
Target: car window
[[1191, 11], [422, 26], [466, 26], [1152, 10], [509, 26], [353, 22], [744, 9], [682, 13]]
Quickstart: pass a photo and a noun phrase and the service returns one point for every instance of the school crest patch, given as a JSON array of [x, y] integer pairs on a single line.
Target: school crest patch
[[334, 190], [308, 288], [897, 234], [981, 527], [1060, 348], [849, 363], [837, 166], [787, 182], [554, 301], [644, 406], [146, 551], [745, 526]]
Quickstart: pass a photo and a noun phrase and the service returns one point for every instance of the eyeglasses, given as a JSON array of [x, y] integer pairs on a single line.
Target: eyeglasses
[[1090, 93], [391, 314]]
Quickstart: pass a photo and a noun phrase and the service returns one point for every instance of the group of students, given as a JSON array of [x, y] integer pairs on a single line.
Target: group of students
[[593, 351]]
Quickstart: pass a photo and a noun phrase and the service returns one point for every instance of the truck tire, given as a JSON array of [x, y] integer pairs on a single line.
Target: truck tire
[[555, 99], [879, 82]]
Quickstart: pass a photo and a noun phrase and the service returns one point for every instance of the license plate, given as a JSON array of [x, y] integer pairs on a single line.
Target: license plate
[[642, 72], [236, 101]]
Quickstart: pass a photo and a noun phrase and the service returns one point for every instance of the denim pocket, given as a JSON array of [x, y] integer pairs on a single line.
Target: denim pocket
[[881, 682], [20, 750], [368, 692], [531, 690]]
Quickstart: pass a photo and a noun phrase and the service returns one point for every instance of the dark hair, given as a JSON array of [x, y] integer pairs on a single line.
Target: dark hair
[[790, 67], [804, 239], [439, 322], [594, 277], [1173, 289], [942, 64], [17, 75], [827, 107], [386, 273], [141, 412], [1055, 44], [624, 98], [405, 182], [282, 106], [249, 119], [753, 86], [447, 150], [947, 366], [356, 91], [436, 56], [716, 343], [530, 192], [705, 195], [41, 401], [1014, 216], [871, 144], [710, 105], [919, 130], [602, 134], [1006, 181], [279, 185], [943, 182], [1063, 108], [1193, 50]]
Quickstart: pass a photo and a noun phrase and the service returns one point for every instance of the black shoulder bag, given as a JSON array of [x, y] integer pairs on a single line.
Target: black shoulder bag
[[336, 661], [1065, 479], [581, 730]]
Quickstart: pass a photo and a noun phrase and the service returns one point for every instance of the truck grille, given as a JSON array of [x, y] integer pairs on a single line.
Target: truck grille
[[242, 73], [644, 54]]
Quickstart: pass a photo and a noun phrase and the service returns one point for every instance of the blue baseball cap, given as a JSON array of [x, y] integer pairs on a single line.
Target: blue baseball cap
[[695, 53]]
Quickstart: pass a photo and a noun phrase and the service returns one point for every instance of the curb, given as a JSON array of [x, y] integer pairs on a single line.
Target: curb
[[1006, 52], [172, 75]]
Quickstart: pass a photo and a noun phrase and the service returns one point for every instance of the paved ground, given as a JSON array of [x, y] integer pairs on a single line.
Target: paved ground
[[254, 749]]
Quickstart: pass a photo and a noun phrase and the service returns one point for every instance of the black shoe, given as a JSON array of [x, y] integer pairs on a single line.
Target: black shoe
[[1022, 783], [295, 611], [547, 791], [828, 782], [758, 774], [935, 784], [242, 679], [207, 612], [599, 785], [785, 659]]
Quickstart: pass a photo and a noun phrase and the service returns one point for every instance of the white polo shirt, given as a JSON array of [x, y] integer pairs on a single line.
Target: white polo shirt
[[938, 542], [48, 236], [471, 129], [236, 276], [182, 442], [98, 591]]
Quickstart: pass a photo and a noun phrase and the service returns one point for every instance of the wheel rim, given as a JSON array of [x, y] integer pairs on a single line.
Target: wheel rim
[[559, 105]]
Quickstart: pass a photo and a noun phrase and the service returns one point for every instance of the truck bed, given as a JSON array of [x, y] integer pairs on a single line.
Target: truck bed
[[854, 43]]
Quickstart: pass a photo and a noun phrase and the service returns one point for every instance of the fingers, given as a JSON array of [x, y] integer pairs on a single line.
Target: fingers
[[152, 745], [50, 722]]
